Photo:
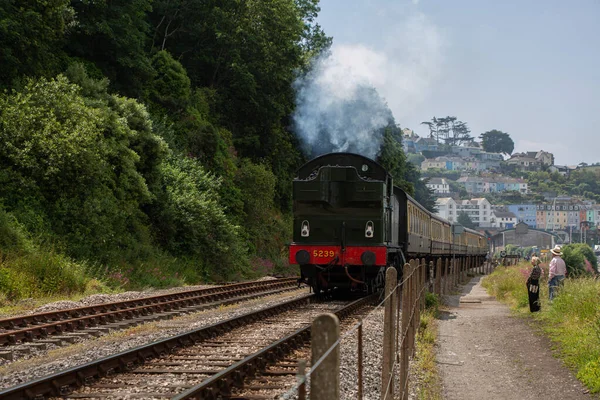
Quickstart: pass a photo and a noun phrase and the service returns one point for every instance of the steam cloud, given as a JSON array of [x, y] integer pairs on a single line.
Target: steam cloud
[[339, 110], [349, 96]]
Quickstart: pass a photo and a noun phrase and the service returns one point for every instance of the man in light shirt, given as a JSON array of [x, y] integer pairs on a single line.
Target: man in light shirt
[[557, 272]]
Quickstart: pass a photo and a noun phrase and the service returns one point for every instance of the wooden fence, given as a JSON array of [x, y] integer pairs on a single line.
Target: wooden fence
[[402, 304]]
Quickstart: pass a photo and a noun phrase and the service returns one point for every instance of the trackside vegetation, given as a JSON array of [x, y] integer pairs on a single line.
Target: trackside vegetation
[[149, 143], [572, 321], [428, 386]]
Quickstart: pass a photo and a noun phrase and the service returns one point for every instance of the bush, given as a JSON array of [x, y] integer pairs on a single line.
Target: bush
[[41, 273], [191, 221], [432, 301], [79, 164], [576, 255], [590, 375], [13, 236]]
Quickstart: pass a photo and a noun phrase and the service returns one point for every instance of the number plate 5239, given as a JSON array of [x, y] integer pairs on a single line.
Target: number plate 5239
[[323, 253]]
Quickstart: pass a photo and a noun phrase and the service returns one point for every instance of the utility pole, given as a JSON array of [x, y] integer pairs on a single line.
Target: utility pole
[[570, 233]]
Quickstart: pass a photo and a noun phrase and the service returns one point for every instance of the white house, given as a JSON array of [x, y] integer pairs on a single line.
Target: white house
[[503, 219], [446, 208], [438, 185], [479, 210]]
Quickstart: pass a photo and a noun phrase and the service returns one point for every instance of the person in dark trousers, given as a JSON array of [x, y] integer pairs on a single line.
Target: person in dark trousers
[[533, 284]]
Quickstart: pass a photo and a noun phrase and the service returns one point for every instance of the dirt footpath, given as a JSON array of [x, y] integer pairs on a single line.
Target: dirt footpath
[[485, 353]]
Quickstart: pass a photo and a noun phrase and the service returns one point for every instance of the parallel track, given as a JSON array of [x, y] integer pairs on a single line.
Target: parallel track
[[28, 328], [203, 363]]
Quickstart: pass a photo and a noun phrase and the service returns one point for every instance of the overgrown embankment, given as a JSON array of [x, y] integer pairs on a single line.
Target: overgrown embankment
[[572, 321]]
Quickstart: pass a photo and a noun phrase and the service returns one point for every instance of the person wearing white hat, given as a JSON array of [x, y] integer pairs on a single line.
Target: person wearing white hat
[[556, 273]]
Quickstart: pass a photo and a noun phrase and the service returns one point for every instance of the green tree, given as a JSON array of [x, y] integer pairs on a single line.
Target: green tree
[[465, 220], [496, 141], [170, 86], [393, 159], [31, 35], [190, 220], [247, 53], [416, 159], [112, 36], [405, 174], [448, 130], [77, 167]]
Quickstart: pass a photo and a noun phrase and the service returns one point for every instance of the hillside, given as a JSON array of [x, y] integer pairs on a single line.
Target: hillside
[[150, 143]]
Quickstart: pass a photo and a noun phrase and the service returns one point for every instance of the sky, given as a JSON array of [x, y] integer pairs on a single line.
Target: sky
[[530, 68]]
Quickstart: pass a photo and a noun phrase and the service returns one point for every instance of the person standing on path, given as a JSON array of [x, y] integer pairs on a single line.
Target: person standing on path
[[533, 284], [556, 273]]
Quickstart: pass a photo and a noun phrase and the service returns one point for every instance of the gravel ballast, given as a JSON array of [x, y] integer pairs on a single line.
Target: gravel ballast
[[54, 360]]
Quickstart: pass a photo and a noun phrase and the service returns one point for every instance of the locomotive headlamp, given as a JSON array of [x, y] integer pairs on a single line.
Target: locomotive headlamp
[[305, 230], [369, 229]]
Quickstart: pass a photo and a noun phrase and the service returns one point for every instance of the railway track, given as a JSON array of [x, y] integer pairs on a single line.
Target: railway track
[[206, 363], [22, 334]]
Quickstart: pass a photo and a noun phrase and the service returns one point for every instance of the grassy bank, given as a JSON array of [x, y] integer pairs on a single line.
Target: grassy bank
[[428, 384], [572, 321]]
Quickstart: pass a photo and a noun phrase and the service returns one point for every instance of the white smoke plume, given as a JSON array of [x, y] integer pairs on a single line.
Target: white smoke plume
[[338, 109], [350, 94]]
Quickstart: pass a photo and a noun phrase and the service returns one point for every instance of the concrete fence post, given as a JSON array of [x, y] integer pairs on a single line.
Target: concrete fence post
[[389, 335], [325, 378]]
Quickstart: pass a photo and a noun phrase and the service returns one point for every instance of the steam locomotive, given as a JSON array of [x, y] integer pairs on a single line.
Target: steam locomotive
[[351, 223]]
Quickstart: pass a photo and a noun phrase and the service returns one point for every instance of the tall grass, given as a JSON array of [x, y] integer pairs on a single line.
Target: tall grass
[[572, 321], [428, 385]]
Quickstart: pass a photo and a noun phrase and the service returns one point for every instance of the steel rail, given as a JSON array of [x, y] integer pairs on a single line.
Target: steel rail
[[37, 325], [220, 384], [64, 382]]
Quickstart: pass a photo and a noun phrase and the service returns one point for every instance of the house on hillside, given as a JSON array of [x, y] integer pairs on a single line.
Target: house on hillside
[[426, 144], [524, 161], [503, 219], [446, 208], [564, 170], [477, 209], [438, 185], [466, 151], [475, 184], [531, 160], [433, 163], [561, 213], [472, 184], [524, 213], [409, 139]]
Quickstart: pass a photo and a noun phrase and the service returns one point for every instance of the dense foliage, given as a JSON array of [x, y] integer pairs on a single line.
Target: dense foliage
[[582, 182], [148, 142], [580, 259]]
